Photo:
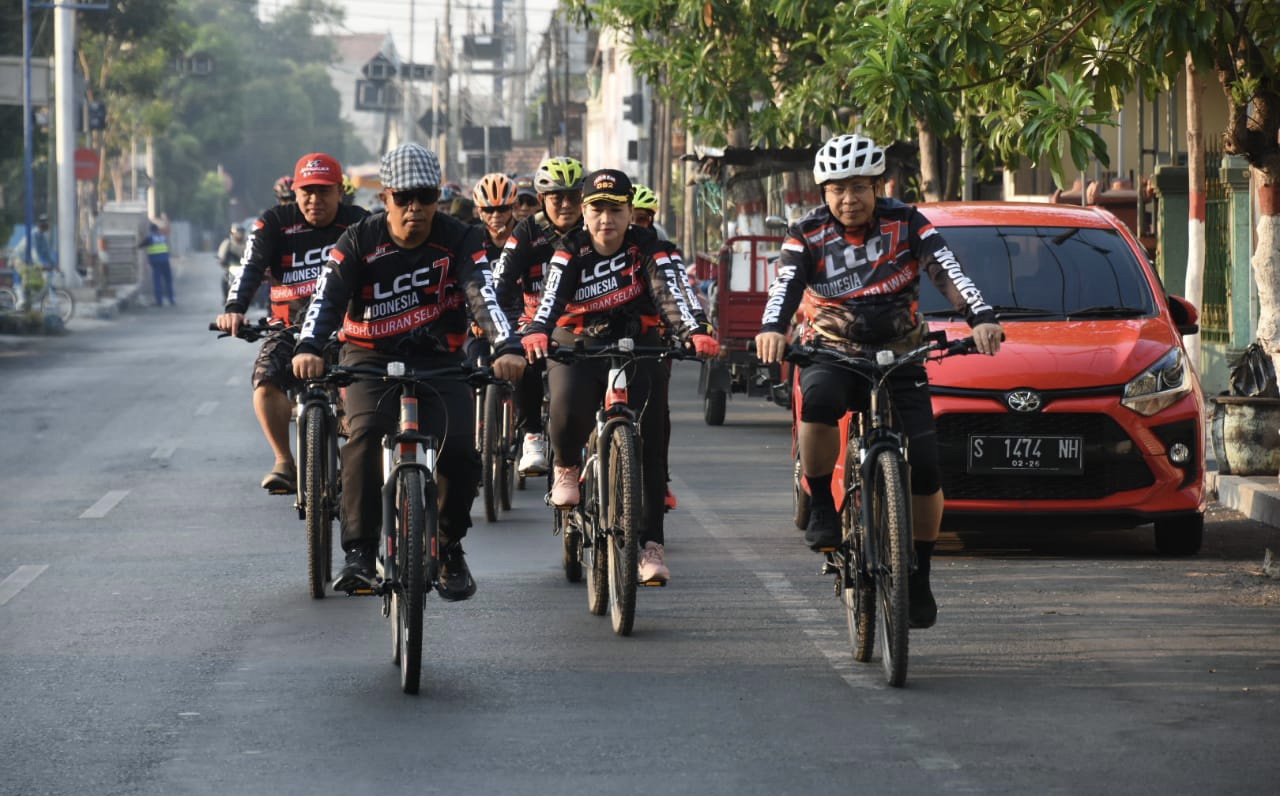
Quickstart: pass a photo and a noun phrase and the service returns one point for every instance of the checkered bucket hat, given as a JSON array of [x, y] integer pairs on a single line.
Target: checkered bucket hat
[[409, 166]]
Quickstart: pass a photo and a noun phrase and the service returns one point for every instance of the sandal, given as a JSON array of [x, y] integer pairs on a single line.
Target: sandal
[[282, 480]]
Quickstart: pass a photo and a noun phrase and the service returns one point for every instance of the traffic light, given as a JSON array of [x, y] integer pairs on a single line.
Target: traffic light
[[633, 110], [97, 116]]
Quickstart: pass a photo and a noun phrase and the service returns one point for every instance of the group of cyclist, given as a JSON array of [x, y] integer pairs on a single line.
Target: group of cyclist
[[563, 257]]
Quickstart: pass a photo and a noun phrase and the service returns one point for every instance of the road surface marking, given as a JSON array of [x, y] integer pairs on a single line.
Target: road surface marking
[[19, 580], [105, 504], [166, 449]]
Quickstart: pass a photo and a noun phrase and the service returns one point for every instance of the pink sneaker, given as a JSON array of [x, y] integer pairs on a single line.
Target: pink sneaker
[[564, 488], [651, 566]]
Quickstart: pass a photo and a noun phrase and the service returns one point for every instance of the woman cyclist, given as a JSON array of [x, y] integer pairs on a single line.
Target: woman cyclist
[[857, 262], [495, 196], [608, 281]]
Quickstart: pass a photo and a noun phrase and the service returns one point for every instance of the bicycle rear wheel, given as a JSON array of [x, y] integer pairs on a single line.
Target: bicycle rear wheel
[[492, 456], [891, 523], [411, 586], [595, 550], [622, 515], [858, 592], [316, 500]]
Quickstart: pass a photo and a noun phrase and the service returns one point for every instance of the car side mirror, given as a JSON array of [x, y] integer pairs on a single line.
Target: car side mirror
[[1184, 315]]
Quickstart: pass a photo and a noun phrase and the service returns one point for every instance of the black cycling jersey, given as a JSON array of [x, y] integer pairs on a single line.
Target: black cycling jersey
[[406, 302], [290, 252], [621, 294], [522, 266], [863, 286]]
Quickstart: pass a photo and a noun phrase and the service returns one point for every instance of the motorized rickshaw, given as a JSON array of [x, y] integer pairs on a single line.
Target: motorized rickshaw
[[743, 199]]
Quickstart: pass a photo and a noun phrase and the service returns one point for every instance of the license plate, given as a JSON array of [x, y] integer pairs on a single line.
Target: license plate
[[1029, 455]]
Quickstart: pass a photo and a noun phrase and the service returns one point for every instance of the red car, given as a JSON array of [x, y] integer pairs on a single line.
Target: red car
[[1090, 416]]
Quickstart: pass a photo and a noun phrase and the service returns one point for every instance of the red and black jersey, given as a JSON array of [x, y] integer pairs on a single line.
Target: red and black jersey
[[284, 248], [406, 302], [863, 286], [522, 267], [616, 295]]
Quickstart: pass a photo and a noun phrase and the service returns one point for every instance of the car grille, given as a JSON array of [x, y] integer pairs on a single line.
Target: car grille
[[1112, 462]]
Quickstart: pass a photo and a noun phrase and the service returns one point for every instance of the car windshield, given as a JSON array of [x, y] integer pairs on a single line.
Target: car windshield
[[1048, 272]]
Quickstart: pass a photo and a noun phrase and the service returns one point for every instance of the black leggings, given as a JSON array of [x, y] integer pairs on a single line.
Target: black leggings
[[577, 391], [828, 391], [528, 399], [373, 410]]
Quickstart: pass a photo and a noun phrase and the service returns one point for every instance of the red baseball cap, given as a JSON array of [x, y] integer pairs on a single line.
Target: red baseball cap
[[316, 169]]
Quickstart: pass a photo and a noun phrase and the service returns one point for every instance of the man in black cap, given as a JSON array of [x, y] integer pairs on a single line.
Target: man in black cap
[[606, 281], [401, 285]]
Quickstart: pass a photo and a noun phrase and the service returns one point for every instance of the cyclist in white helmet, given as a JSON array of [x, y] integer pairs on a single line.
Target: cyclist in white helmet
[[856, 263]]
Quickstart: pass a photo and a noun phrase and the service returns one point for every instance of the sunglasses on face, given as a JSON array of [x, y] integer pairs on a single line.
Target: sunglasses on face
[[424, 196], [565, 198], [527, 201], [498, 209]]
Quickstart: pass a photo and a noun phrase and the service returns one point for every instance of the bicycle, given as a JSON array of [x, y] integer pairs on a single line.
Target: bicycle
[[318, 495], [35, 288], [600, 536], [495, 440], [408, 563], [876, 554]]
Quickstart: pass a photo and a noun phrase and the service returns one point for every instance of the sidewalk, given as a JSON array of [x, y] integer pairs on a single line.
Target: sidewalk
[[1255, 496]]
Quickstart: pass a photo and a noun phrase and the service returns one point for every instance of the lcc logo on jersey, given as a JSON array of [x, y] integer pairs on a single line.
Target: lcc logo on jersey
[[427, 277]]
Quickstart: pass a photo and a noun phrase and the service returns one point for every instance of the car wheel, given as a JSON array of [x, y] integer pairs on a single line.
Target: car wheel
[[1180, 536]]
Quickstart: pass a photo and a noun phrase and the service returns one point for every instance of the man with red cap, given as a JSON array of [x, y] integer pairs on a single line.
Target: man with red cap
[[288, 247]]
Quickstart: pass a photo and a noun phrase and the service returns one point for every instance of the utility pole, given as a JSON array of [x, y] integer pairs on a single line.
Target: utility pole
[[64, 42]]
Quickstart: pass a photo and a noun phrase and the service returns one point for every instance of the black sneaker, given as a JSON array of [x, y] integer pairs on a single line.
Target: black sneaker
[[824, 528], [922, 609], [357, 573], [455, 582]]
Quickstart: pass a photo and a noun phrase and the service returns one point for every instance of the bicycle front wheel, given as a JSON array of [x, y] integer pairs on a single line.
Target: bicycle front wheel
[[507, 454], [411, 586], [492, 455], [624, 511], [890, 522], [317, 508]]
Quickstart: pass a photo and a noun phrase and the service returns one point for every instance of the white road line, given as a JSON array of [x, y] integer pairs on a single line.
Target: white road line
[[105, 504], [19, 580], [166, 449], [206, 408]]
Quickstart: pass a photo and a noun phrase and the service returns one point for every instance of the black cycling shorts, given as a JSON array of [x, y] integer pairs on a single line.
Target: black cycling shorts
[[274, 364], [828, 391]]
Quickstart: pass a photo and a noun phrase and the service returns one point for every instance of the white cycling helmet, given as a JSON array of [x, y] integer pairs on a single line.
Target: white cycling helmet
[[848, 156]]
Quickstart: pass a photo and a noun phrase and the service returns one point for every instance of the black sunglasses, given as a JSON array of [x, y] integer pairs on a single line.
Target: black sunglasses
[[496, 209], [527, 200], [425, 196]]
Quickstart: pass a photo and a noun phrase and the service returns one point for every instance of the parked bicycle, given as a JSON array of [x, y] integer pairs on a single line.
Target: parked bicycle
[[600, 535], [318, 497], [32, 288], [876, 555], [408, 564]]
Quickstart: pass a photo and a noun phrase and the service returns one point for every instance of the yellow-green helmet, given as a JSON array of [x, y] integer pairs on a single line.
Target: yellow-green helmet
[[558, 174], [644, 198]]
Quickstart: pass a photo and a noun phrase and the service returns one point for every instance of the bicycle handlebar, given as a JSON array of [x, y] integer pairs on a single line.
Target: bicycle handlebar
[[342, 375], [253, 332], [624, 347], [884, 360]]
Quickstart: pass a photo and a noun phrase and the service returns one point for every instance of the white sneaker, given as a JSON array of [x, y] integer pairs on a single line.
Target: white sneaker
[[564, 488], [651, 566], [533, 457]]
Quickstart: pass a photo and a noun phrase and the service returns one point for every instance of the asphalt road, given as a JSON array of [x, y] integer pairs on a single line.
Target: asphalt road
[[156, 636]]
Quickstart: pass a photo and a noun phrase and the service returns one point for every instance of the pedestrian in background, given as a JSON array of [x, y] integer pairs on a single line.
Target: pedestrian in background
[[156, 245]]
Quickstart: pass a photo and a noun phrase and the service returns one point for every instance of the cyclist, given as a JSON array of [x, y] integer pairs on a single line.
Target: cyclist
[[526, 199], [283, 189], [558, 182], [401, 285], [290, 243], [348, 190], [644, 206], [230, 251], [606, 281], [857, 262]]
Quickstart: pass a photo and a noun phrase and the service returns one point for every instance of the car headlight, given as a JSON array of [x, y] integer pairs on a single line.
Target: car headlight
[[1159, 386]]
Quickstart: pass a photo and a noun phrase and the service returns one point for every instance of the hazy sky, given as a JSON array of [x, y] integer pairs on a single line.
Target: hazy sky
[[476, 16]]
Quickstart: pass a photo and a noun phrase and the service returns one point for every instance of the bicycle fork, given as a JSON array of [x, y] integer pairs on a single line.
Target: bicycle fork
[[407, 448]]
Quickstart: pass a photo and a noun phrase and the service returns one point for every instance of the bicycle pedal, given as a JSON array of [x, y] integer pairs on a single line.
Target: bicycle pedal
[[827, 550], [653, 583], [281, 492], [362, 592]]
